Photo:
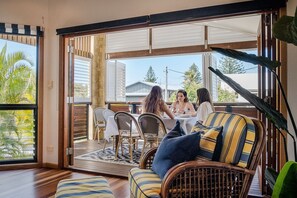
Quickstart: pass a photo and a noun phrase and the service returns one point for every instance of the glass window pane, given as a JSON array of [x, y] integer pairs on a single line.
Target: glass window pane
[[245, 74], [17, 72], [130, 80], [17, 135], [82, 79]]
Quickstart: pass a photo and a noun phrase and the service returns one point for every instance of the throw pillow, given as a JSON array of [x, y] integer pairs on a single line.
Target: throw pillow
[[174, 149], [211, 141]]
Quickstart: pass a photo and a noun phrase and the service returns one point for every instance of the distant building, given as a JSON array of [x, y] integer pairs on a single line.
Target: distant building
[[137, 91], [248, 81], [115, 81]]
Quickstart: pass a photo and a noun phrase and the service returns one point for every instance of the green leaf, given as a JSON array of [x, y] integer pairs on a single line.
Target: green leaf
[[286, 182], [251, 58], [285, 29], [271, 176]]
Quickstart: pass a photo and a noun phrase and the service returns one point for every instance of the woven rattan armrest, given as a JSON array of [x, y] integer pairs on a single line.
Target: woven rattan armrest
[[205, 179], [147, 159]]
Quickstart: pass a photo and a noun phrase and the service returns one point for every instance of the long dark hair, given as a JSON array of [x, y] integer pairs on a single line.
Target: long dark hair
[[184, 93], [153, 100], [203, 96]]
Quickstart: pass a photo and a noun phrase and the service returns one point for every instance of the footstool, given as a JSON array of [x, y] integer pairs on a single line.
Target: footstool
[[96, 186]]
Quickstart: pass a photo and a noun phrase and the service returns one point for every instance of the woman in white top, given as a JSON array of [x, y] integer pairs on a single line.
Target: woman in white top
[[182, 104], [204, 103]]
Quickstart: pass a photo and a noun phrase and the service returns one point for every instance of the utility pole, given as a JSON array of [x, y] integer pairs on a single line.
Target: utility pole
[[166, 83]]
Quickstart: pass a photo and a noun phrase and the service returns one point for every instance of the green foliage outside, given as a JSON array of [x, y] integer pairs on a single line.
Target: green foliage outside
[[150, 76], [17, 86], [229, 65], [81, 90], [225, 95], [192, 82]]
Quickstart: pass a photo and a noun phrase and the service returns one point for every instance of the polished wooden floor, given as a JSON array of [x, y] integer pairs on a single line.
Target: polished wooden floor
[[42, 183]]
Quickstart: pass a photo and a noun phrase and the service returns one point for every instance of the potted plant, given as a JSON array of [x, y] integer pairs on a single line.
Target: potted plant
[[285, 29]]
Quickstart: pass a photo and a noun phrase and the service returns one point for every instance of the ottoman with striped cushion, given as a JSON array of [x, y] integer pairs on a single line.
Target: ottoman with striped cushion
[[84, 187]]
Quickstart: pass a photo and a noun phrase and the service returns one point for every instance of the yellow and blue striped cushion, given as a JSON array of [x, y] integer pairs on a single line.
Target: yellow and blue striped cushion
[[238, 136], [144, 183], [84, 187], [210, 142]]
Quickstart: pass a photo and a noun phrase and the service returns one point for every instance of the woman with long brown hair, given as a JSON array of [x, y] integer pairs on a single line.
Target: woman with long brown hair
[[182, 105], [154, 103], [204, 103]]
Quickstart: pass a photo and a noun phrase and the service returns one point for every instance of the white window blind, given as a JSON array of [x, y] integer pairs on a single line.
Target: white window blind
[[125, 41], [82, 79], [177, 36]]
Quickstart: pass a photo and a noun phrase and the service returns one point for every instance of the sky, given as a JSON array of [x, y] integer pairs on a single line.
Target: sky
[[12, 46]]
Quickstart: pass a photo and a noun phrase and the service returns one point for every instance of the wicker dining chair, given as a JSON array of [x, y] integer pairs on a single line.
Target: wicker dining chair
[[99, 122], [202, 178], [129, 132], [106, 113], [153, 129]]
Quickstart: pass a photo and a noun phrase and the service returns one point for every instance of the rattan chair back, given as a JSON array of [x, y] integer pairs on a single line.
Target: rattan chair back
[[129, 131], [99, 122], [153, 129]]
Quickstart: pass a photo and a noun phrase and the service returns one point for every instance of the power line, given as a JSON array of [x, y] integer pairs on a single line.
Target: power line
[[176, 71]]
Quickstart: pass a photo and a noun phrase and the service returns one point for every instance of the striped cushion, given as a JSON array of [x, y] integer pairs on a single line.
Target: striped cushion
[[211, 141], [84, 187], [144, 183], [238, 136]]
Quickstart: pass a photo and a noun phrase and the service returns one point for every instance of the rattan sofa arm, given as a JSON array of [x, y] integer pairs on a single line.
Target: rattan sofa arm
[[147, 159], [189, 170]]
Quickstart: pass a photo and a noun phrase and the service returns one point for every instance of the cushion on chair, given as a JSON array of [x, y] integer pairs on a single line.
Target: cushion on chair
[[175, 149], [84, 187], [211, 141], [144, 183], [238, 136]]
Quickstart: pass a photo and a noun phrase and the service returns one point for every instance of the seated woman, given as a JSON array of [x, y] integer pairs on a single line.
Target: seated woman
[[154, 103], [204, 103], [182, 104]]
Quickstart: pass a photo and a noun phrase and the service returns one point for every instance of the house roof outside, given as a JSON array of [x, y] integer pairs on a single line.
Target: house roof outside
[[169, 87]]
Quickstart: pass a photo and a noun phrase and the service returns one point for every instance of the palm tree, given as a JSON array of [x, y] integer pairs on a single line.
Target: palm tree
[[17, 86]]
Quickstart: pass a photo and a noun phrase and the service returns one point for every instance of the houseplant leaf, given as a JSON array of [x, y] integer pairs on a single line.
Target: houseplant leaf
[[286, 181], [285, 29], [277, 118], [251, 58]]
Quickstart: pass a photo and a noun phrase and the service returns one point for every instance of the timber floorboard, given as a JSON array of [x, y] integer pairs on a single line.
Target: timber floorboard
[[42, 182]]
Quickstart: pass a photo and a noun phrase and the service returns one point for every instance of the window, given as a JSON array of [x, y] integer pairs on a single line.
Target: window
[[19, 94], [82, 79]]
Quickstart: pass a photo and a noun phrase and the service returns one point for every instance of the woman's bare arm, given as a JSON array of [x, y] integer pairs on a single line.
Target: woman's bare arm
[[168, 111], [192, 109]]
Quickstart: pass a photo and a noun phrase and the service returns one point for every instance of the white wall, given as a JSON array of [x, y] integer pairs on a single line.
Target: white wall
[[53, 14]]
